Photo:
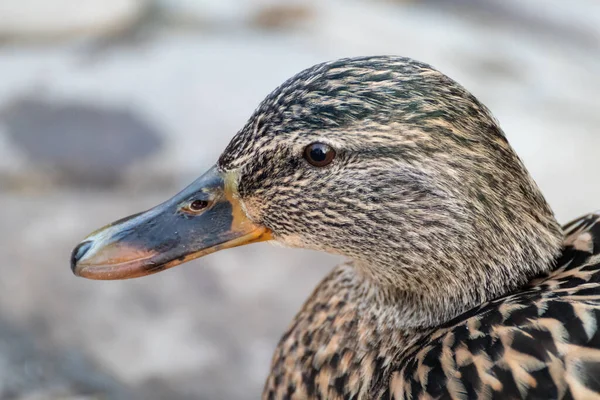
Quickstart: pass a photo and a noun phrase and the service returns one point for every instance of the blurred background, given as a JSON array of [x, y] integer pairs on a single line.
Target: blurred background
[[108, 107]]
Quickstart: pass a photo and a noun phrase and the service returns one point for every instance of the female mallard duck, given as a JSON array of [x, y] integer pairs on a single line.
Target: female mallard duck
[[460, 283]]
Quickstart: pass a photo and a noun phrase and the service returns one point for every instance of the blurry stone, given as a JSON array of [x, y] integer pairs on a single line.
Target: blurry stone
[[11, 161], [261, 13], [573, 24], [30, 372], [41, 19], [208, 12], [281, 14], [80, 144]]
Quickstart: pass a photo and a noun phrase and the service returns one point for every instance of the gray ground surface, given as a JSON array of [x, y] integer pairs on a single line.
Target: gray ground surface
[[92, 130]]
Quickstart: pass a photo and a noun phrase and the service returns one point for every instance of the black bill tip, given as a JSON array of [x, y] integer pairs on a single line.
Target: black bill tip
[[78, 253]]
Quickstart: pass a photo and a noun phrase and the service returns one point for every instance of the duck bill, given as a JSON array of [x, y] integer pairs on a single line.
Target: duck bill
[[170, 233]]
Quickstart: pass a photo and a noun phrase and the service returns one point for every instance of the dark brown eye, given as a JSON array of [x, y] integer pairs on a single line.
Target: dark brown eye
[[197, 205], [319, 154]]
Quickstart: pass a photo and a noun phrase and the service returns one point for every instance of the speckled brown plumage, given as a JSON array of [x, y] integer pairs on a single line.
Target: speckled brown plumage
[[425, 193], [541, 343], [438, 216]]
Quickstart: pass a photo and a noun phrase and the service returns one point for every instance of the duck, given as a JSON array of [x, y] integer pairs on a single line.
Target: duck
[[459, 281]]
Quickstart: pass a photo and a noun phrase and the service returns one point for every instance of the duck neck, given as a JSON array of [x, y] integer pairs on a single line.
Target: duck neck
[[432, 286]]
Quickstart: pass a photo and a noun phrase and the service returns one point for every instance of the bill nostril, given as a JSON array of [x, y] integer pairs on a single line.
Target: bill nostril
[[79, 252]]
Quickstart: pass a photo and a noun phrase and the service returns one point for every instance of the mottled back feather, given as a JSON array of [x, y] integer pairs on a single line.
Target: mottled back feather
[[540, 343]]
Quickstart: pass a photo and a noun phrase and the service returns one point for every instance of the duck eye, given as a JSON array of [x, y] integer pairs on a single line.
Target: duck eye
[[319, 154], [197, 206]]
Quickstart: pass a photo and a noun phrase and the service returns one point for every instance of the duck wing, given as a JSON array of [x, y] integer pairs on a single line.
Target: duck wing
[[541, 343]]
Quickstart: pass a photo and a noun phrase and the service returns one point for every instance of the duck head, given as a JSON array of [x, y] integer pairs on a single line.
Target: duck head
[[381, 159]]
